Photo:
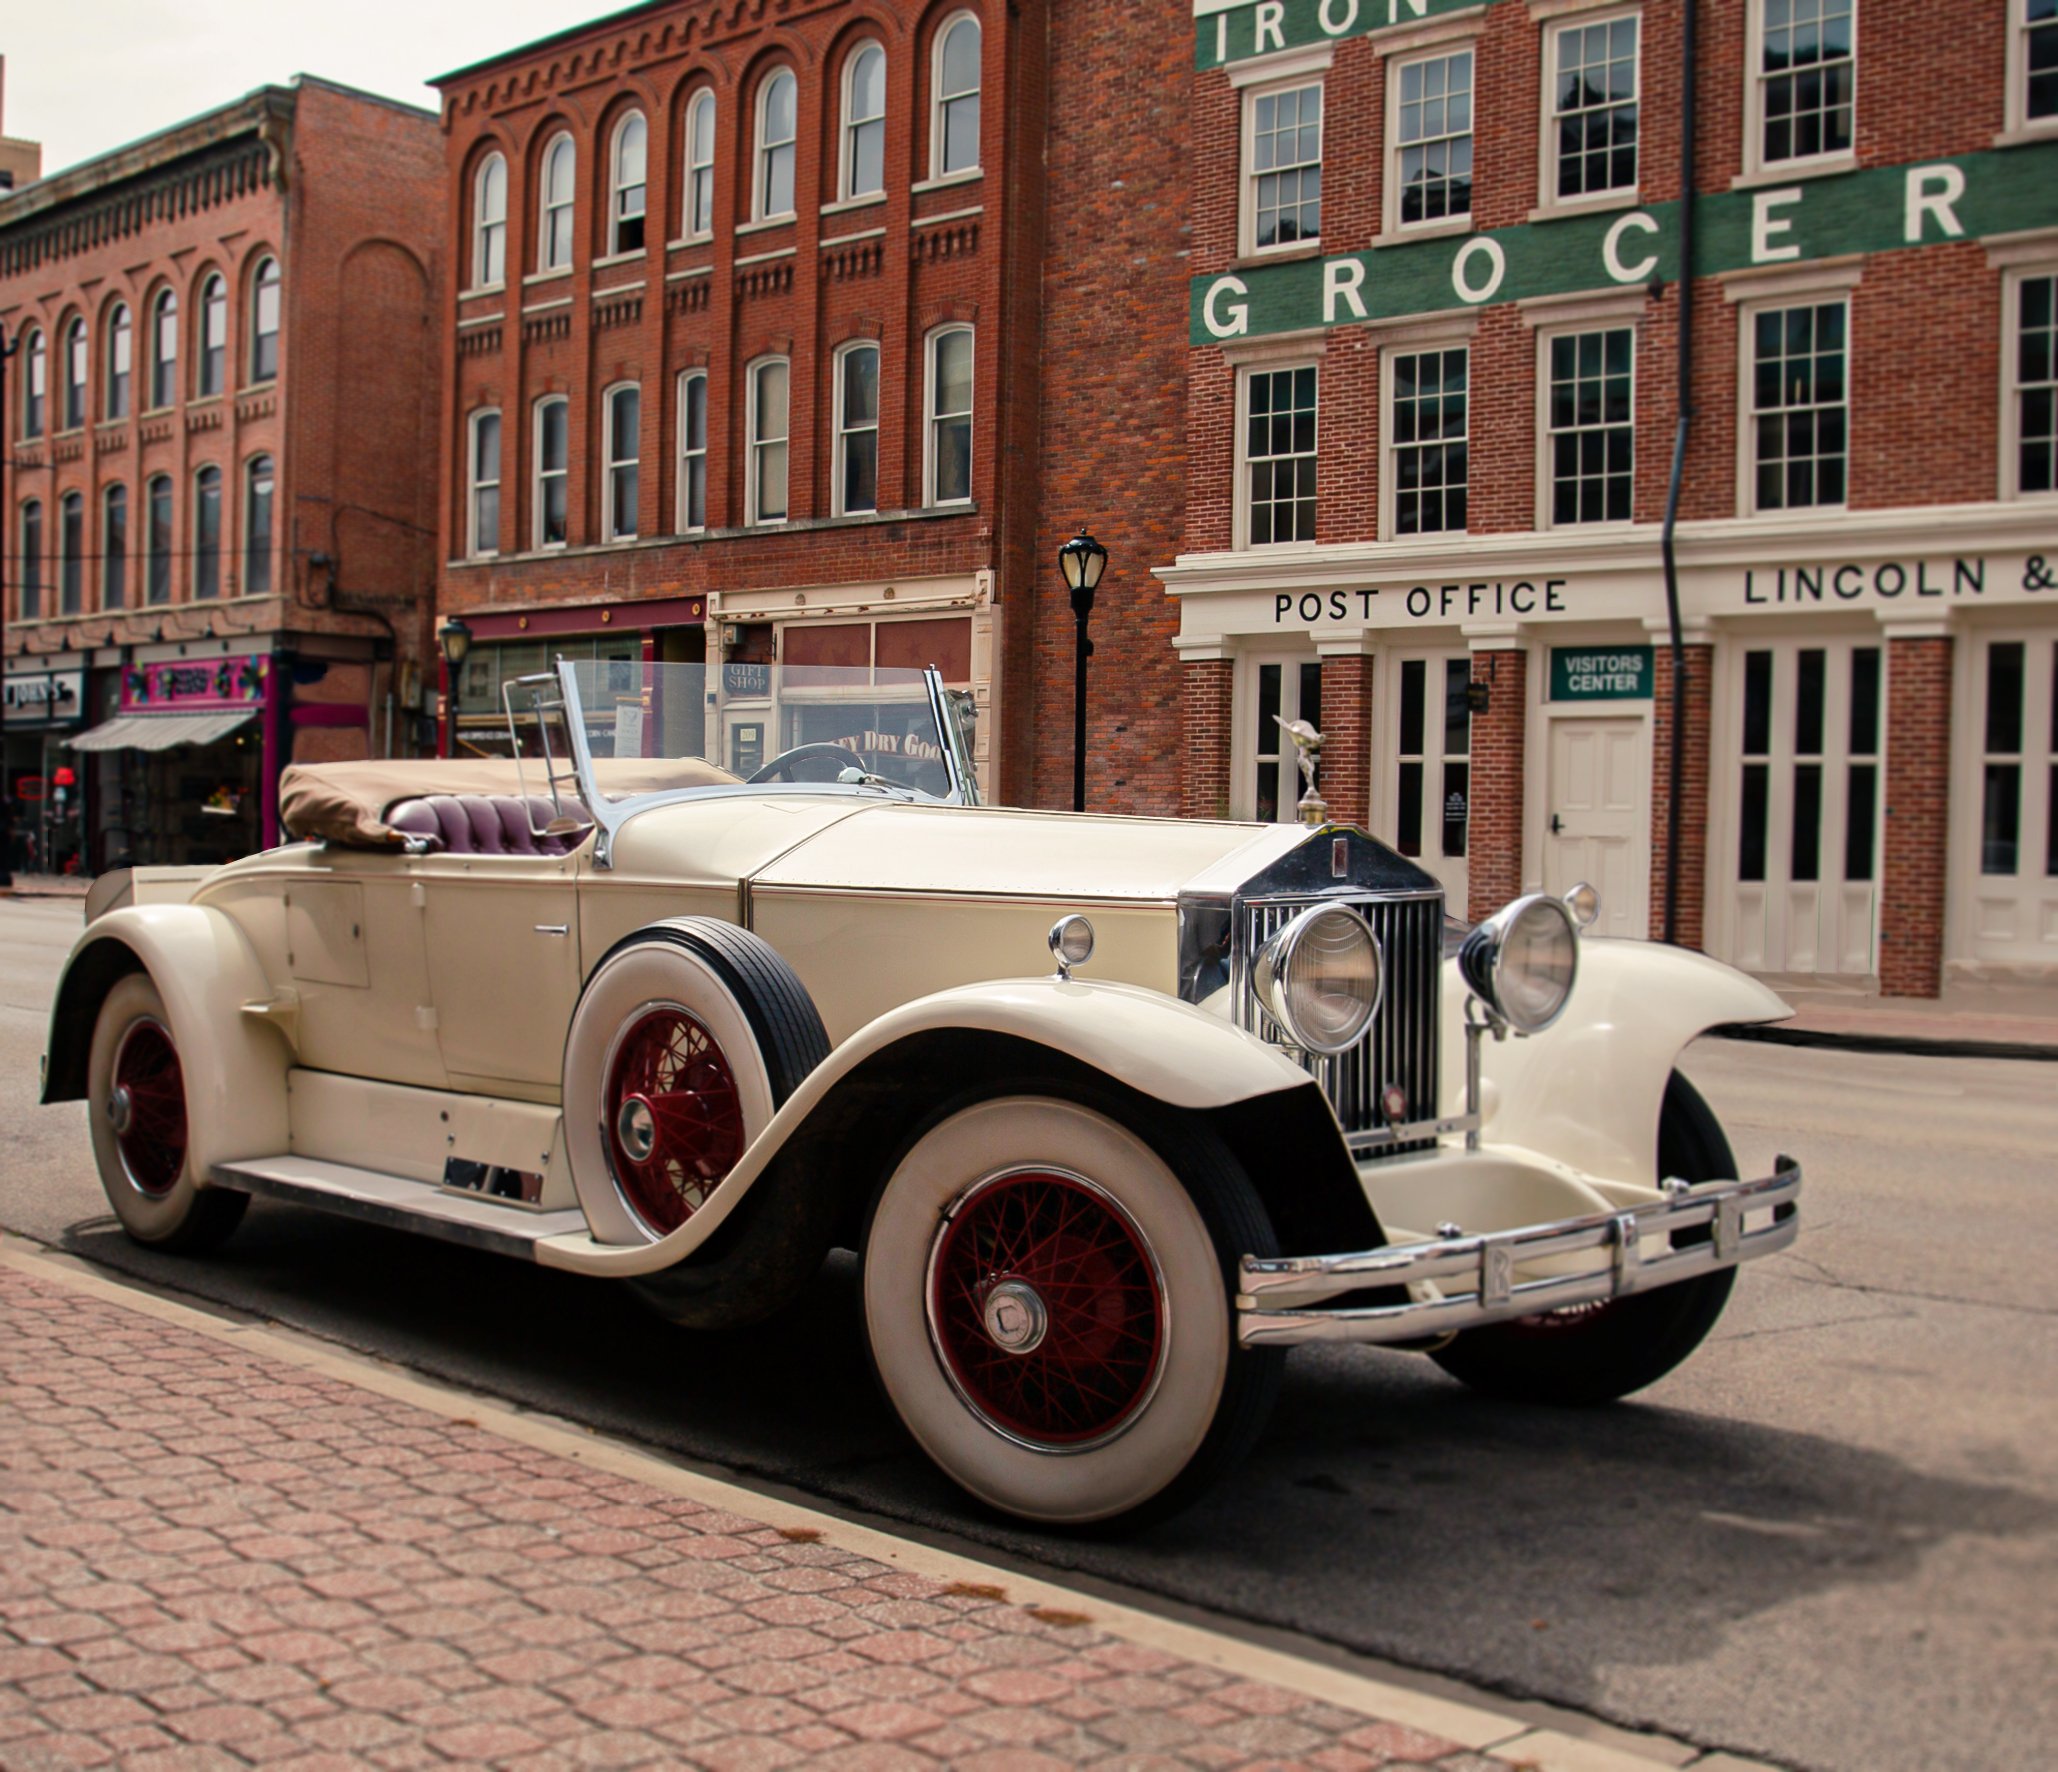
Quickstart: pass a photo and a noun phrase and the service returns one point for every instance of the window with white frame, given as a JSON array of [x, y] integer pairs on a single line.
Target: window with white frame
[[949, 451], [857, 429], [767, 422], [1594, 98], [482, 478], [121, 360], [777, 131], [71, 554], [1431, 104], [553, 500], [75, 375], [28, 604], [1427, 426], [207, 533], [1804, 78], [2035, 63], [558, 200], [157, 540], [35, 385], [1282, 166], [258, 499], [212, 366], [1590, 424], [622, 424], [1277, 478], [2018, 834], [489, 223], [954, 109], [628, 184], [864, 123], [164, 350], [700, 166], [2032, 357], [264, 322], [692, 450], [1800, 404], [114, 546]]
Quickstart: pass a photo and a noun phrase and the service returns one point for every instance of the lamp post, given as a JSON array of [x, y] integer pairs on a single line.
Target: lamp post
[[455, 639], [1083, 560]]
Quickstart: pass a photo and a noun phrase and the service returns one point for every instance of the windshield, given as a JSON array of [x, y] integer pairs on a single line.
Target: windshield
[[660, 728]]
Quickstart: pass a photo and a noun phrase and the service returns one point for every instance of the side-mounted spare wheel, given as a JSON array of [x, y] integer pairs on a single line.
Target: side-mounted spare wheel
[[137, 1109]]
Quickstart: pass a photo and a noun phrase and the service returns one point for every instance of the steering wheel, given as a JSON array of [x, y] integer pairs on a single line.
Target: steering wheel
[[809, 762]]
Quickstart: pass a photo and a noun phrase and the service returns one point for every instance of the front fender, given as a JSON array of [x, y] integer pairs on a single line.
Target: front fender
[[203, 967], [1162, 1048], [1587, 1091]]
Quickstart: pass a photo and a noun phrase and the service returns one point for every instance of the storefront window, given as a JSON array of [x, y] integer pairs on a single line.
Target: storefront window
[[1444, 772], [1754, 809], [2001, 805], [1285, 691], [1861, 805]]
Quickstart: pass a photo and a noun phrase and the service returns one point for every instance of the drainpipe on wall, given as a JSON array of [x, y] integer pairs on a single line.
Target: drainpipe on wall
[[1676, 761]]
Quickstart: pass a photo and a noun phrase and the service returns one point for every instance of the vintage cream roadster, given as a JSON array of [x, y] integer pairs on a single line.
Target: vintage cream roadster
[[1114, 1110]]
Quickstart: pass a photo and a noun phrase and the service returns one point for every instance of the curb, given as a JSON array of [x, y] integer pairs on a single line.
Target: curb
[[1512, 1739], [1905, 1045]]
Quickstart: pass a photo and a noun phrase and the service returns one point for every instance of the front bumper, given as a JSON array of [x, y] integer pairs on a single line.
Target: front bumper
[[1466, 1282]]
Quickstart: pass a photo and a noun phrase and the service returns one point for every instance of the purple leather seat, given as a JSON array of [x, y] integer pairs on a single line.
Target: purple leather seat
[[483, 824]]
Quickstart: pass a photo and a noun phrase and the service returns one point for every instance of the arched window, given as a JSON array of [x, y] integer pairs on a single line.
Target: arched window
[[35, 385], [164, 350], [482, 474], [949, 451], [954, 112], [864, 122], [211, 374], [624, 427], [121, 359], [114, 547], [157, 541], [207, 533], [857, 429], [769, 414], [777, 128], [628, 184], [264, 322], [489, 223], [560, 189], [700, 166], [29, 606], [71, 554], [75, 375], [258, 489], [692, 450], [553, 471]]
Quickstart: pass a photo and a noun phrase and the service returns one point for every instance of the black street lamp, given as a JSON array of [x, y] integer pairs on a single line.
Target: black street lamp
[[1083, 560], [455, 638]]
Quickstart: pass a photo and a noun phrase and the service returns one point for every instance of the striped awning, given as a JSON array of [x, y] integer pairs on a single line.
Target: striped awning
[[159, 732]]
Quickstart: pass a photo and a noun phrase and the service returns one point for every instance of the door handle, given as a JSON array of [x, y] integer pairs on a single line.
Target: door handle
[[553, 928], [1557, 824]]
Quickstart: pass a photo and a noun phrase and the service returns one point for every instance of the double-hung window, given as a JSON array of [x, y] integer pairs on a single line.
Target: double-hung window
[[1428, 428], [777, 131], [1592, 85], [75, 354], [857, 430], [121, 360], [211, 372], [207, 533], [954, 112], [949, 449], [1278, 468], [864, 123], [258, 498], [1804, 71], [2033, 64], [769, 412], [114, 547], [700, 166], [157, 541], [628, 185], [164, 350], [692, 450], [29, 605], [1282, 166], [1431, 106], [35, 385], [1800, 404], [1590, 424], [482, 474], [553, 471], [559, 200], [623, 428], [264, 322], [489, 223], [71, 554], [2031, 354]]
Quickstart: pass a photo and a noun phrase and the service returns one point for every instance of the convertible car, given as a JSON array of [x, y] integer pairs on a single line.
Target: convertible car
[[1113, 1110]]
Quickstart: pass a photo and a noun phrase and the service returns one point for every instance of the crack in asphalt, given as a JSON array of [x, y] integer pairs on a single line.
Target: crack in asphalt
[[1823, 1277]]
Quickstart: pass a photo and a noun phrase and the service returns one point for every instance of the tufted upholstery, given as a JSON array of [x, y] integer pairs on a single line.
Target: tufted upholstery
[[483, 824]]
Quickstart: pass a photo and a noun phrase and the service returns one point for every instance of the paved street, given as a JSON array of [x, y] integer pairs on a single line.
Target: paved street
[[1832, 1540]]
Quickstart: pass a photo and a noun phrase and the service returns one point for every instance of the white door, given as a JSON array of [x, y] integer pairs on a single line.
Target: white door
[[2013, 883], [1599, 820], [1275, 687], [1807, 796], [1427, 788]]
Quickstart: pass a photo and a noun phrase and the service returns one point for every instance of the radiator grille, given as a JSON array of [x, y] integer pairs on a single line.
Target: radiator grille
[[1402, 1046]]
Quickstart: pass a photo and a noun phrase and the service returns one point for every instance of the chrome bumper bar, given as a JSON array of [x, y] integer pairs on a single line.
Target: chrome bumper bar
[[1476, 1276]]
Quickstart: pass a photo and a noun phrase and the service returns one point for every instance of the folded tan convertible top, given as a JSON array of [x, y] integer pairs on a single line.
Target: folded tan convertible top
[[346, 803]]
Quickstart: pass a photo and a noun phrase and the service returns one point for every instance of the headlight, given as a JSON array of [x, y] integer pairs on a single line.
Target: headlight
[[1521, 963], [1320, 978]]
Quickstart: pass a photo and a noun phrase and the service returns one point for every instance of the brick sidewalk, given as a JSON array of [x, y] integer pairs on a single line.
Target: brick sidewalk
[[210, 1556]]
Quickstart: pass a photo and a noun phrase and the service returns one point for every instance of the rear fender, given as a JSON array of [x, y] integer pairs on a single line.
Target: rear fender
[[1164, 1050], [1587, 1092], [234, 1064]]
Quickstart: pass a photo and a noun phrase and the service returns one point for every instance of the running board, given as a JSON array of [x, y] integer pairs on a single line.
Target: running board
[[398, 1203]]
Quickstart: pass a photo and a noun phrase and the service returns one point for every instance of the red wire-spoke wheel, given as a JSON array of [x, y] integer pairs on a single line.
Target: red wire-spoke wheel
[[146, 1106], [670, 1114], [1048, 1309]]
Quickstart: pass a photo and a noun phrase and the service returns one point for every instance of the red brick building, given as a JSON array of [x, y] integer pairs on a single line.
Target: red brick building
[[220, 487], [1434, 333]]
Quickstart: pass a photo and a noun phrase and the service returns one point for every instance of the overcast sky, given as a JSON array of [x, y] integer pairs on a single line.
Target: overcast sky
[[89, 76]]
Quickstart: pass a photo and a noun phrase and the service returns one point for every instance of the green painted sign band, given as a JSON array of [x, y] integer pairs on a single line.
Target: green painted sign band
[[1264, 27], [1881, 209], [1592, 673]]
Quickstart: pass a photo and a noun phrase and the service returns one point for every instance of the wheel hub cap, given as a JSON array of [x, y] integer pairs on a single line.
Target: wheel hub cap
[[121, 1111], [1016, 1317], [636, 1127]]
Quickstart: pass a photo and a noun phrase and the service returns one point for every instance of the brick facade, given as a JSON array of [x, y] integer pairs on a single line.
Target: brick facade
[[1500, 749], [1346, 778], [1693, 798], [1918, 750]]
